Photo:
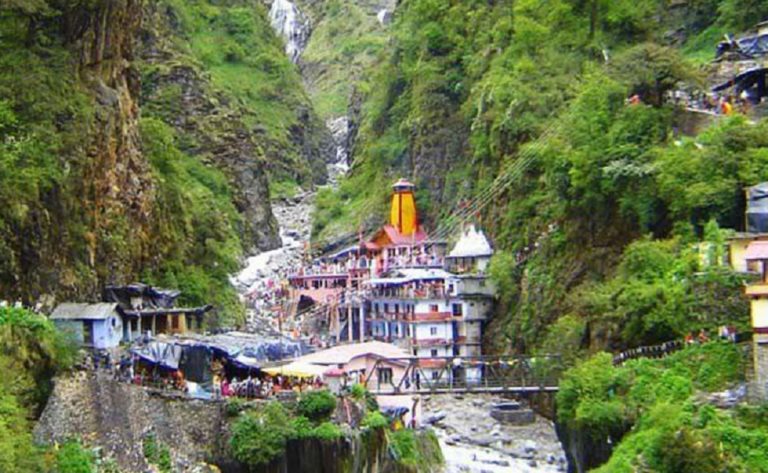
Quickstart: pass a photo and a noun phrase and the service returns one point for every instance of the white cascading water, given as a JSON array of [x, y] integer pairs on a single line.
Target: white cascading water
[[292, 25]]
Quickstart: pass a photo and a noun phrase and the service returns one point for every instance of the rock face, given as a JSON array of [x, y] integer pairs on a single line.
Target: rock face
[[67, 245], [214, 129], [585, 450], [118, 417]]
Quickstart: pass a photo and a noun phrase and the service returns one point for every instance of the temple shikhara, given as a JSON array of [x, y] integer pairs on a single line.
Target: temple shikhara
[[403, 287]]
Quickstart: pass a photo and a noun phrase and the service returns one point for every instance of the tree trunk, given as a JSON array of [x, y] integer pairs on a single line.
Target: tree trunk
[[593, 19]]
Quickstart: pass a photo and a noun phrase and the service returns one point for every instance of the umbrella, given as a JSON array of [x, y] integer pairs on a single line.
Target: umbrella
[[297, 369]]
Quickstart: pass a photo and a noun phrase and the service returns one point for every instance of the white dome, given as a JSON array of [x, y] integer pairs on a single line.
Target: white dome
[[472, 243]]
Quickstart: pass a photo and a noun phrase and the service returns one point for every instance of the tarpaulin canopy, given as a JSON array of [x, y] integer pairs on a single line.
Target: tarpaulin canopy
[[242, 349], [297, 369], [161, 353], [744, 80], [757, 208]]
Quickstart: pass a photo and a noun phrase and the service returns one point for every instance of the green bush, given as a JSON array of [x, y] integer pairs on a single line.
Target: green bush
[[327, 431], [404, 447], [357, 391], [259, 437], [156, 453], [235, 406], [301, 428], [317, 405], [72, 457], [374, 420]]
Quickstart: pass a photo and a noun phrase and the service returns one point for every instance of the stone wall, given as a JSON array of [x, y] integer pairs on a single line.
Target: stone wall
[[117, 417]]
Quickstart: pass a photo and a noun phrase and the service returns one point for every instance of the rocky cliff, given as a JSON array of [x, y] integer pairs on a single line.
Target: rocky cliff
[[211, 126], [150, 130]]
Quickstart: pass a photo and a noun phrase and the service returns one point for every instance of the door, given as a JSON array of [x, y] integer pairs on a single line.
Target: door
[[87, 332]]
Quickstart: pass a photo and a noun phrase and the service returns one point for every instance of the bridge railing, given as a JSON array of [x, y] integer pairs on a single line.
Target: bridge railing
[[464, 373]]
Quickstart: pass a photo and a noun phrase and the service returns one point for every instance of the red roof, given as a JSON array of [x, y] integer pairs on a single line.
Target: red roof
[[398, 238], [757, 250]]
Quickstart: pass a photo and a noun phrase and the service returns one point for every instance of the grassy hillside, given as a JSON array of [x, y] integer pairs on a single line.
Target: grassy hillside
[[662, 401], [346, 41], [235, 46]]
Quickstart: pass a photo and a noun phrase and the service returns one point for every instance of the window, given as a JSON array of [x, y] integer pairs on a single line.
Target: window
[[433, 330], [433, 308], [114, 322], [482, 283], [385, 375], [456, 310], [433, 353], [386, 307]]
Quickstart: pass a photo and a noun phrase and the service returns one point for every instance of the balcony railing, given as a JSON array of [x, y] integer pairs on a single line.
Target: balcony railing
[[430, 342], [408, 293]]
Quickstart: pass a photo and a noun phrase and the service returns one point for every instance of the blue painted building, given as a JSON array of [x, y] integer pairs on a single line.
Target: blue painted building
[[97, 326]]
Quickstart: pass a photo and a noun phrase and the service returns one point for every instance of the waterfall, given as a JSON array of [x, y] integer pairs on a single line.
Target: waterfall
[[292, 25], [339, 128]]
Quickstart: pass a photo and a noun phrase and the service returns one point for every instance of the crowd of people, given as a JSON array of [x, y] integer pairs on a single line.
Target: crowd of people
[[712, 103], [725, 332]]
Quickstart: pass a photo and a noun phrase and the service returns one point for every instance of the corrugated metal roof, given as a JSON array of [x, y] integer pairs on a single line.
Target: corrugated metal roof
[[84, 311], [757, 250]]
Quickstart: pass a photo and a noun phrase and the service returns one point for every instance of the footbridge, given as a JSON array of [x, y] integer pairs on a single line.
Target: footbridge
[[464, 374]]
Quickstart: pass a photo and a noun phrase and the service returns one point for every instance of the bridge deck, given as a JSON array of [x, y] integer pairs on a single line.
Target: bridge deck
[[472, 390], [463, 374]]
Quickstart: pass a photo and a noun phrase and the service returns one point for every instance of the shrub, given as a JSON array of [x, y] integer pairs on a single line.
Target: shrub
[[357, 391], [156, 454], [72, 457], [234, 407], [374, 420], [301, 428], [259, 437], [317, 405], [327, 431], [404, 448]]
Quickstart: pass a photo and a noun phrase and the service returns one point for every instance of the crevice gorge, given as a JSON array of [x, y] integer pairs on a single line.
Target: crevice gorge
[[264, 157]]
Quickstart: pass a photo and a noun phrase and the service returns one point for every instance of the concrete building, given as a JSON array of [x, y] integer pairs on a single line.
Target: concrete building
[[758, 294], [149, 309], [98, 326]]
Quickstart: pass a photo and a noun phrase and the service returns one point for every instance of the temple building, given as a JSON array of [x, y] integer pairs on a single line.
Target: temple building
[[400, 286]]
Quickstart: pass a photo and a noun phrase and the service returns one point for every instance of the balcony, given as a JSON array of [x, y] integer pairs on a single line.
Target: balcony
[[430, 342], [430, 317], [408, 293]]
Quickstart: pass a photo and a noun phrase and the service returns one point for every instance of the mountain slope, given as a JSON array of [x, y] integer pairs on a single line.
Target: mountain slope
[[536, 92], [137, 141]]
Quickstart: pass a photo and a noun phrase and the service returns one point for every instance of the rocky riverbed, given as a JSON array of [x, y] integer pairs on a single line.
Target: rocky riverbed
[[263, 272], [472, 441]]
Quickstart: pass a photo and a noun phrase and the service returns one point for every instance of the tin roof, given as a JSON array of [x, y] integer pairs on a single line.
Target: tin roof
[[84, 311], [343, 354]]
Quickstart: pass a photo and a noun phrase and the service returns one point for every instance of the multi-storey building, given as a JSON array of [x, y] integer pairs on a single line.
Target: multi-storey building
[[402, 287]]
